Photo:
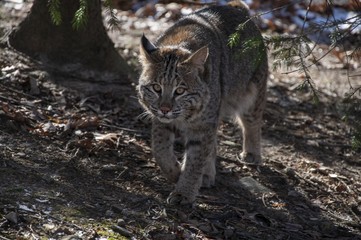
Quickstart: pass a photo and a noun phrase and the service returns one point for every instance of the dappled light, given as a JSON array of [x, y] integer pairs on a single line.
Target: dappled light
[[76, 157]]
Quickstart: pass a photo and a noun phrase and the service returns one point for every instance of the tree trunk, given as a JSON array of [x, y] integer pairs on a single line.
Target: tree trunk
[[89, 47]]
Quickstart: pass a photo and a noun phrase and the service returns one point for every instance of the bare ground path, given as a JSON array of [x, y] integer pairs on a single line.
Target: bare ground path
[[80, 167]]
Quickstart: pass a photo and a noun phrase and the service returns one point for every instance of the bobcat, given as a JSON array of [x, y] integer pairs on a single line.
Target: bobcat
[[190, 78]]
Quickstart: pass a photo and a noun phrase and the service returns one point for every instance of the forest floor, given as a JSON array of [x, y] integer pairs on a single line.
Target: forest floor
[[74, 166]]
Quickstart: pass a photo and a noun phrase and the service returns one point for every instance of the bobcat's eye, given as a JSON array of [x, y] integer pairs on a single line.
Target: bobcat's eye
[[180, 90], [157, 88]]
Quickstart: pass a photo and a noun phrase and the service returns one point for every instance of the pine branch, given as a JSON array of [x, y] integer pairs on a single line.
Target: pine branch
[[81, 15], [248, 46], [54, 10], [112, 20]]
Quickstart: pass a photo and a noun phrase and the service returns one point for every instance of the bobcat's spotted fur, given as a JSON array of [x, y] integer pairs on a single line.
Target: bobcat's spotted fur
[[190, 78]]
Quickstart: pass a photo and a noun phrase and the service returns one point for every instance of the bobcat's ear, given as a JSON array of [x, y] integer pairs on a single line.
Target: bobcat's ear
[[146, 50], [199, 58]]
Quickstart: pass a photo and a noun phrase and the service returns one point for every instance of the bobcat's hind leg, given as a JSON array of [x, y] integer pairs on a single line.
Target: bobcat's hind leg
[[251, 123], [251, 153]]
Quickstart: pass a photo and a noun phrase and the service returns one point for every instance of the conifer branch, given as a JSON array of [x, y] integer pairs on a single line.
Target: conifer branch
[[54, 10], [81, 15], [112, 20]]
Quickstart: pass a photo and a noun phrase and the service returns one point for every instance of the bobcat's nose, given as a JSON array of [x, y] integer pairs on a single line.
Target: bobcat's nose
[[165, 109]]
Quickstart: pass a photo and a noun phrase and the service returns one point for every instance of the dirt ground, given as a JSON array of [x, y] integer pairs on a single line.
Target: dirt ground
[[74, 166]]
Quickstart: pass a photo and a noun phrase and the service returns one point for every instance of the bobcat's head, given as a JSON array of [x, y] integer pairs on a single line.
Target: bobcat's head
[[172, 83]]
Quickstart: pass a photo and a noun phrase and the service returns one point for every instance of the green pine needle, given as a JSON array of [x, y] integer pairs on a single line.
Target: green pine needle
[[80, 19], [54, 10]]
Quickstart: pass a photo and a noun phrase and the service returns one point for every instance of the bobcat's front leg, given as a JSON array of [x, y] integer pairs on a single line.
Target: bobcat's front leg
[[162, 146], [200, 146]]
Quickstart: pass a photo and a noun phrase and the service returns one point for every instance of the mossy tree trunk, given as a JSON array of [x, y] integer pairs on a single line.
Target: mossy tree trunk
[[62, 45]]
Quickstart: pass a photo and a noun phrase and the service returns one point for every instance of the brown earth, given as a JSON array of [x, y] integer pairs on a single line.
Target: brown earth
[[74, 166]]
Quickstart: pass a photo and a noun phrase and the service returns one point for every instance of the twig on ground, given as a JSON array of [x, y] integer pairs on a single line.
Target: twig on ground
[[121, 128], [17, 91], [196, 3], [4, 238]]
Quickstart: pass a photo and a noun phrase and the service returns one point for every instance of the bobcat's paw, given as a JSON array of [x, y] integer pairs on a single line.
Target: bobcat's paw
[[209, 174], [208, 180], [251, 158], [177, 198]]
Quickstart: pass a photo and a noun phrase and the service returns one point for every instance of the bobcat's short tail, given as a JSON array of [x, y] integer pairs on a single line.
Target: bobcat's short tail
[[238, 4]]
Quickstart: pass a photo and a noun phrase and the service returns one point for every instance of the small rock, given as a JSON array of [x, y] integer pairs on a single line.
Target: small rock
[[49, 127], [71, 237], [12, 217], [121, 222], [117, 208], [291, 172], [253, 186], [109, 213], [49, 226], [313, 143], [121, 231]]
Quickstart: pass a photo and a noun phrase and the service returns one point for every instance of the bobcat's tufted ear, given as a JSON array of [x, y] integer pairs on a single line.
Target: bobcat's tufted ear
[[199, 58], [146, 50]]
